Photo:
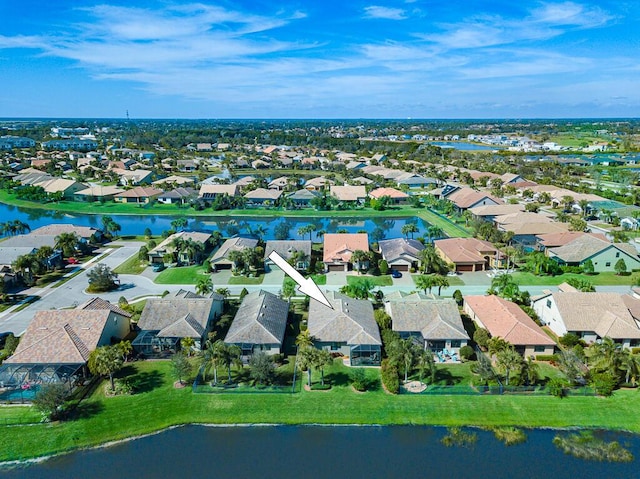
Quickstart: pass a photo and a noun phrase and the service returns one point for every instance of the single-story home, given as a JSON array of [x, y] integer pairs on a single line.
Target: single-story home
[[395, 196], [339, 247], [220, 259], [139, 194], [469, 254], [349, 193], [262, 197], [289, 249], [259, 324], [97, 193], [318, 183], [603, 254], [157, 254], [210, 191], [178, 196], [507, 320], [401, 254], [349, 328], [302, 198]]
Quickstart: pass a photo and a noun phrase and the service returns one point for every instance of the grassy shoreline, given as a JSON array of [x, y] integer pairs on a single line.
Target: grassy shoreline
[[103, 420]]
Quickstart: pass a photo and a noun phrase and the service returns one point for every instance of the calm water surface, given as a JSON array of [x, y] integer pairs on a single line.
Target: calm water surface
[[328, 452], [136, 224]]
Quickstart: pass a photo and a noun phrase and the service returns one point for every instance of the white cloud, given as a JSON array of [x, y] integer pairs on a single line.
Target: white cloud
[[376, 11]]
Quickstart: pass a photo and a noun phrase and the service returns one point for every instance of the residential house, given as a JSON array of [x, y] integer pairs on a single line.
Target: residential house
[[361, 180], [167, 246], [507, 320], [86, 234], [134, 177], [512, 179], [259, 324], [603, 254], [280, 183], [339, 247], [553, 240], [174, 181], [187, 166], [178, 196], [318, 183], [97, 193], [466, 198], [526, 226], [349, 328], [263, 197], [401, 254], [414, 180], [591, 316], [298, 251], [490, 212], [62, 186], [56, 346], [469, 254], [396, 197], [220, 259], [435, 323], [165, 321], [302, 198], [139, 194], [349, 193], [210, 191]]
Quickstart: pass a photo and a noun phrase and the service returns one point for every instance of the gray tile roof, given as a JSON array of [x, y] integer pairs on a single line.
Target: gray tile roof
[[159, 314], [287, 248], [260, 319], [185, 327], [29, 241], [400, 248], [434, 319], [350, 320], [586, 246], [233, 244]]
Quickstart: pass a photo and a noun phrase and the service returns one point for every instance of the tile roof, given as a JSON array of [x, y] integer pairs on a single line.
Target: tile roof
[[61, 337], [100, 304], [99, 190], [391, 192], [263, 194], [159, 313], [209, 190], [400, 248], [465, 250], [56, 229], [507, 320], [586, 246], [434, 319], [607, 314], [551, 240], [496, 210], [349, 192], [287, 248], [140, 192], [350, 320], [468, 197], [260, 319], [233, 244], [340, 246]]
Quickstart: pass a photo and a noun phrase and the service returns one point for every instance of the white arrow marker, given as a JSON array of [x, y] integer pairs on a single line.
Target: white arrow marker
[[305, 285]]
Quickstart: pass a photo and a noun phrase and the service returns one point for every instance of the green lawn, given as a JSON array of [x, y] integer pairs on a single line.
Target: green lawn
[[181, 275], [600, 279], [375, 280], [246, 280], [132, 266], [320, 279], [453, 281], [158, 405]]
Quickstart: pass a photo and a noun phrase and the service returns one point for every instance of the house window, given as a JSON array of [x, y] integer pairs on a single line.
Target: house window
[[455, 343], [539, 349], [549, 303], [607, 264], [335, 346]]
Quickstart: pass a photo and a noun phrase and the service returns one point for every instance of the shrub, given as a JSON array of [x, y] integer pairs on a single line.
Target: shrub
[[557, 387], [635, 350], [467, 353], [569, 340], [359, 379], [481, 337], [604, 383], [390, 376], [553, 358], [382, 318], [383, 266], [243, 293], [457, 296], [10, 344], [50, 401]]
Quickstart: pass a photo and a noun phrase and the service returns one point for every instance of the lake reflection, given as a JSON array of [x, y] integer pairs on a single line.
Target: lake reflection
[[319, 452]]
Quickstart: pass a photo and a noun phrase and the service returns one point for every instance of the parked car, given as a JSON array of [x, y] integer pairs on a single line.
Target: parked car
[[396, 274], [72, 260], [157, 267], [452, 273]]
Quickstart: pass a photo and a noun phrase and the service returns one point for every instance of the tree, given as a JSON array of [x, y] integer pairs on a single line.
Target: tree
[[67, 243], [179, 224], [382, 319], [441, 282], [577, 224], [307, 358], [457, 297], [358, 290], [262, 369], [147, 233], [187, 344], [431, 262], [360, 259], [630, 367], [304, 340], [588, 267], [322, 359], [426, 365], [483, 368], [581, 285], [105, 361], [181, 366], [509, 360], [409, 229], [101, 279], [481, 338], [620, 267], [50, 400], [204, 286], [383, 266], [403, 352], [425, 282], [109, 226], [231, 356], [288, 288], [211, 358], [530, 371], [303, 230], [125, 348]]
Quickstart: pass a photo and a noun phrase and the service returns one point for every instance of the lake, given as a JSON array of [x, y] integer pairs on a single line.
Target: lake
[[464, 146], [378, 228], [317, 452]]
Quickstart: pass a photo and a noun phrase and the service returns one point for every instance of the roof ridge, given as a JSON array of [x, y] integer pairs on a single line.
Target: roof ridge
[[77, 342]]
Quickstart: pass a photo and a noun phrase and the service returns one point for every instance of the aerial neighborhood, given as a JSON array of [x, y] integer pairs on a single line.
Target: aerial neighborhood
[[514, 268]]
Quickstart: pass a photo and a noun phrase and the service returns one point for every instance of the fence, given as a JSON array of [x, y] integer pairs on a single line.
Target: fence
[[502, 390]]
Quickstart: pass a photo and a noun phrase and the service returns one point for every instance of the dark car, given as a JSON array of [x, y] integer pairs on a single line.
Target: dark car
[[396, 274], [157, 267]]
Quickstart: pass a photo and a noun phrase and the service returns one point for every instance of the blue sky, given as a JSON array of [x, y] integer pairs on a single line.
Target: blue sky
[[319, 59]]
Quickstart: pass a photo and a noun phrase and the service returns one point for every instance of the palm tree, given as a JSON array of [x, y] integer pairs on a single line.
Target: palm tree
[[360, 258], [308, 360], [630, 366], [67, 243], [530, 371], [320, 234], [441, 282], [187, 344], [204, 285], [404, 352], [425, 282], [106, 361], [426, 364], [584, 206], [236, 258], [304, 339], [322, 358], [509, 360], [409, 228], [259, 232], [26, 264], [431, 261], [211, 358], [435, 232], [231, 355]]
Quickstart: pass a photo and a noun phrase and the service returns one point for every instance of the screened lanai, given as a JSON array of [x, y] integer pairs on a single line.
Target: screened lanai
[[149, 344], [22, 381]]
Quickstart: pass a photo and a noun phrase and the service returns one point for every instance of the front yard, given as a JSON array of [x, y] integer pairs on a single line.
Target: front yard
[[181, 275], [246, 279], [375, 280], [598, 279]]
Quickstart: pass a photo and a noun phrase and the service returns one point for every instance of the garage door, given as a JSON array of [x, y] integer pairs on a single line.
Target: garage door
[[464, 267], [223, 266], [400, 267], [336, 267]]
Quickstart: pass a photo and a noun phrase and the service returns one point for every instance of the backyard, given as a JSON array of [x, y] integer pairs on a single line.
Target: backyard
[[598, 279]]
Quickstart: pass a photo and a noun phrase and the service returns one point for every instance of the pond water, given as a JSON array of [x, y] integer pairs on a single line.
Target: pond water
[[378, 228], [318, 452], [464, 146]]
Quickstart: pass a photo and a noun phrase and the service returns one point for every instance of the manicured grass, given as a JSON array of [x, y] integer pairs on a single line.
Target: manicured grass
[[246, 280], [453, 281], [181, 275], [132, 266], [159, 405], [451, 229], [600, 279], [320, 279], [375, 280]]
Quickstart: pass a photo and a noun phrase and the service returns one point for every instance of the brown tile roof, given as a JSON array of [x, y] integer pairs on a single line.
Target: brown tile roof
[[212, 190], [349, 192], [551, 240], [505, 319], [61, 337], [263, 194], [465, 250], [339, 247], [99, 303], [467, 197], [140, 192]]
